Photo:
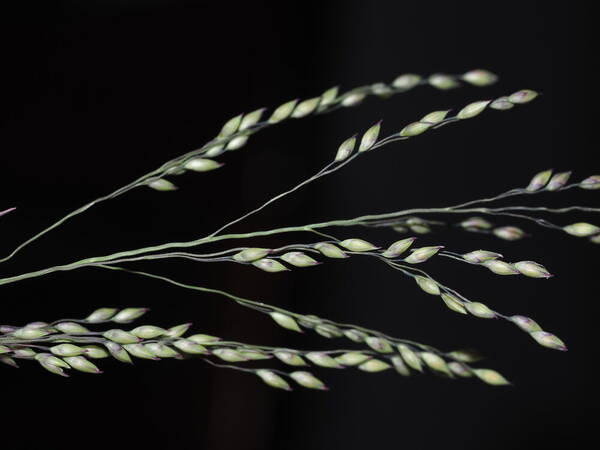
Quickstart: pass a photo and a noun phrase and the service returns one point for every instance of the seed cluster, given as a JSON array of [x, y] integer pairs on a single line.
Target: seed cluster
[[70, 344]]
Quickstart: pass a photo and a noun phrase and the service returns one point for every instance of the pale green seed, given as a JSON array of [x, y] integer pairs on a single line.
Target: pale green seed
[[479, 256], [374, 365], [369, 138], [352, 99], [558, 181], [345, 149], [501, 104], [285, 321], [229, 355], [427, 285], [435, 362], [323, 360], [410, 357], [251, 119], [101, 314], [399, 365], [406, 81], [237, 142], [415, 128], [435, 116], [491, 377], [290, 358], [355, 335], [202, 165], [121, 337], [592, 182], [330, 250], [480, 77], [539, 180], [178, 330], [525, 323], [500, 267], [273, 380], [357, 245], [231, 126], [480, 310], [509, 233], [453, 303], [129, 314], [269, 265], [532, 269], [160, 184], [30, 333], [352, 358], [522, 96], [71, 328], [299, 259], [398, 247], [251, 254], [67, 350], [95, 352], [306, 107], [459, 369], [378, 344], [328, 331], [118, 352], [549, 340], [283, 111], [148, 331], [190, 347], [161, 350], [329, 96], [443, 81], [203, 338], [140, 351], [422, 254], [473, 109], [582, 229], [82, 364], [308, 380], [466, 355]]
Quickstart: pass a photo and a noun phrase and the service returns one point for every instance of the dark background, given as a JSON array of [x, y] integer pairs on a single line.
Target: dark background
[[98, 92]]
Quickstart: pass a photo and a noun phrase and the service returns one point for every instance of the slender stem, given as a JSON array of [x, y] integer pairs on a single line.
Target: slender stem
[[362, 220], [259, 306], [274, 199]]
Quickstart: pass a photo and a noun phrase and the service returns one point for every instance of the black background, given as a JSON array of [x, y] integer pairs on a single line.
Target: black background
[[98, 92]]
